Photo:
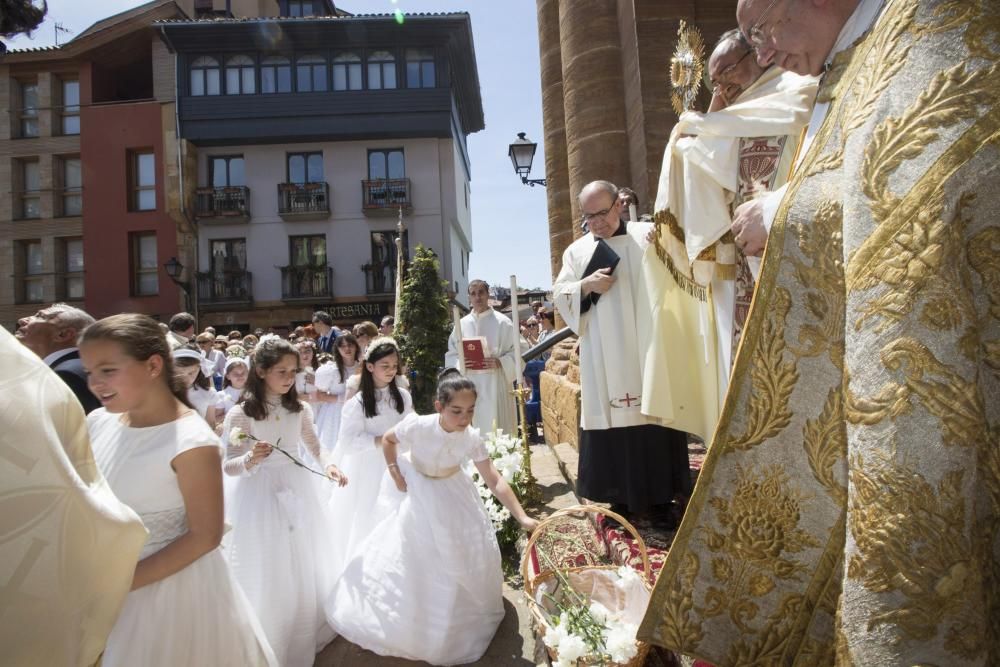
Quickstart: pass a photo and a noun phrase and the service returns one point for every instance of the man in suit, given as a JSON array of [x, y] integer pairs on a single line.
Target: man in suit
[[51, 333], [323, 324]]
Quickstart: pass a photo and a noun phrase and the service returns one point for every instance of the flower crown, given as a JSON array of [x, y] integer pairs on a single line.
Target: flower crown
[[267, 337], [381, 340]]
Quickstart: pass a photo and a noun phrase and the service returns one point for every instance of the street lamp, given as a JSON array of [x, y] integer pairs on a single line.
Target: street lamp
[[521, 153], [174, 270]]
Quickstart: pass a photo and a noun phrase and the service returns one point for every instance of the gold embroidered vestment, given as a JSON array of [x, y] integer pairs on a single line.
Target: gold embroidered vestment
[[849, 508]]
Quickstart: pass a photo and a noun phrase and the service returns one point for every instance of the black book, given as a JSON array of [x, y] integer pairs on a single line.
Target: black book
[[603, 258]]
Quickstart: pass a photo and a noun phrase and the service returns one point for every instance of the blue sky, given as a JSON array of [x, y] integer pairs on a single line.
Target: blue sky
[[509, 219]]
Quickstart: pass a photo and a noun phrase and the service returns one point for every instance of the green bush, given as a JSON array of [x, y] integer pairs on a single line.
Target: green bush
[[423, 323]]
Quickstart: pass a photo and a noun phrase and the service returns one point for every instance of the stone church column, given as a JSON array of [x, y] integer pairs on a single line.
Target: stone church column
[[554, 121], [593, 95]]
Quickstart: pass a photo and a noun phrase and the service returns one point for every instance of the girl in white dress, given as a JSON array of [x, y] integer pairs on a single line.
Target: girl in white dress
[[234, 378], [377, 407], [426, 584], [331, 381], [161, 458], [281, 533], [191, 366]]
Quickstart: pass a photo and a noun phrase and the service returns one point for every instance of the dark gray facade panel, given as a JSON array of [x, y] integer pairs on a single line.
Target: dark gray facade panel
[[233, 131]]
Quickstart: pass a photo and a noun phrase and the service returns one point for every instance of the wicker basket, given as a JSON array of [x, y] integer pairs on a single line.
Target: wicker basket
[[533, 581]]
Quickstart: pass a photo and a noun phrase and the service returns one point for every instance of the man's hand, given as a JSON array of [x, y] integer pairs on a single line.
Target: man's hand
[[599, 281], [492, 362], [748, 228]]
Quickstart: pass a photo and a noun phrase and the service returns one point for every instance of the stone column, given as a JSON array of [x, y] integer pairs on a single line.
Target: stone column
[[593, 95], [554, 122]]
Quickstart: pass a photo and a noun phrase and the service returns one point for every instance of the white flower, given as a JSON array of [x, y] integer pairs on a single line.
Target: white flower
[[620, 641], [266, 337], [627, 577], [555, 634], [599, 612], [572, 648], [563, 663], [236, 434]]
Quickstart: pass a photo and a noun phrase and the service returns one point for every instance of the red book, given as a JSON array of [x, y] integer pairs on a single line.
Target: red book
[[474, 350]]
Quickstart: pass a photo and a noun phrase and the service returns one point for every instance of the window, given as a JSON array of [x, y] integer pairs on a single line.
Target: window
[[419, 68], [228, 255], [381, 70], [71, 107], [305, 167], [307, 251], [72, 268], [275, 75], [388, 163], [384, 260], [310, 73], [205, 76], [227, 171], [347, 71], [145, 270], [241, 79], [29, 109], [143, 181], [300, 8], [31, 187], [72, 186], [33, 270]]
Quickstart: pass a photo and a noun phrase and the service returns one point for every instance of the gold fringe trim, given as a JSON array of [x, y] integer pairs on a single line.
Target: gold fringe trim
[[691, 287], [666, 219]]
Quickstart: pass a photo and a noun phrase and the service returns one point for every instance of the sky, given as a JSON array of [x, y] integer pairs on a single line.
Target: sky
[[509, 219]]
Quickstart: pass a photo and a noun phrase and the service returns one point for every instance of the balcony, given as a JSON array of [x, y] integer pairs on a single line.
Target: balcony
[[380, 278], [303, 201], [306, 282], [225, 289], [229, 204], [385, 196]]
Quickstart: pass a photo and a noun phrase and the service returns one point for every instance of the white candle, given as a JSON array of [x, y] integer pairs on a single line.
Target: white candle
[[633, 214], [456, 316], [516, 317]]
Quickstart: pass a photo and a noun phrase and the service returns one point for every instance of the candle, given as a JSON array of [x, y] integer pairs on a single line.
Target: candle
[[458, 338], [516, 318], [633, 214]]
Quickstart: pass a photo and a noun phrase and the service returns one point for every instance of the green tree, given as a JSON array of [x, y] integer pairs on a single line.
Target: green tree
[[423, 323]]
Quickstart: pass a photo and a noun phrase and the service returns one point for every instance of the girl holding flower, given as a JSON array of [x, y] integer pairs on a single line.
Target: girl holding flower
[[432, 557], [281, 532]]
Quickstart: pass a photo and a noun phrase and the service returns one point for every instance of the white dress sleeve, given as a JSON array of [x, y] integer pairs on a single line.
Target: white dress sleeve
[[308, 432], [475, 445], [235, 463], [195, 433], [407, 429], [353, 435]]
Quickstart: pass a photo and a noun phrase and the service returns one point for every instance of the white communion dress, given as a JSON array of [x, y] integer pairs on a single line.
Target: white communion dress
[[358, 457], [426, 584], [328, 414], [199, 615], [281, 533]]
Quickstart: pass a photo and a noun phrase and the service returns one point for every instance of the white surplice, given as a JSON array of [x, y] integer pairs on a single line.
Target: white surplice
[[612, 332], [495, 402]]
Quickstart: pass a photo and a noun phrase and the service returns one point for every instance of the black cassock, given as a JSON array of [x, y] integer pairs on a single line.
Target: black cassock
[[636, 466]]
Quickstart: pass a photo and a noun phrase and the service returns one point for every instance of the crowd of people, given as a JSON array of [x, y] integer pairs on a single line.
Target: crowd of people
[[335, 493]]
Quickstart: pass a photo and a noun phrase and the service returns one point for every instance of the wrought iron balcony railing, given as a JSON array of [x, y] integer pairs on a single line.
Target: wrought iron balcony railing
[[228, 203], [306, 282], [385, 195], [303, 201], [225, 288]]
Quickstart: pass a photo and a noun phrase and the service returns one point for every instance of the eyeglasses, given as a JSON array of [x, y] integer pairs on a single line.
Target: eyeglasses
[[587, 217], [729, 70], [755, 35]]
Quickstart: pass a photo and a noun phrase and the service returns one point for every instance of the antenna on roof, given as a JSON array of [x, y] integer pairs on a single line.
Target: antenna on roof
[[58, 28]]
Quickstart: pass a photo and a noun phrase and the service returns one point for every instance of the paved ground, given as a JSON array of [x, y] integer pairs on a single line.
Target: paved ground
[[514, 643]]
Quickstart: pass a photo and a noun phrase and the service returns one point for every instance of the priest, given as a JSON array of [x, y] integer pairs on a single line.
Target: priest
[[494, 385], [849, 508], [742, 149], [625, 459]]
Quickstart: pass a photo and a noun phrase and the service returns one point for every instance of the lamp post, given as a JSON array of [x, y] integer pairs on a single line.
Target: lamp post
[[521, 154], [174, 270]]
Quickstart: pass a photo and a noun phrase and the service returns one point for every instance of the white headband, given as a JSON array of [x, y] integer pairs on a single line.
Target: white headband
[[186, 353], [381, 340], [232, 361]]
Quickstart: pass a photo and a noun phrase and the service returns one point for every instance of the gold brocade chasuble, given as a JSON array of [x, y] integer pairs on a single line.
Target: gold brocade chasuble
[[849, 508]]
